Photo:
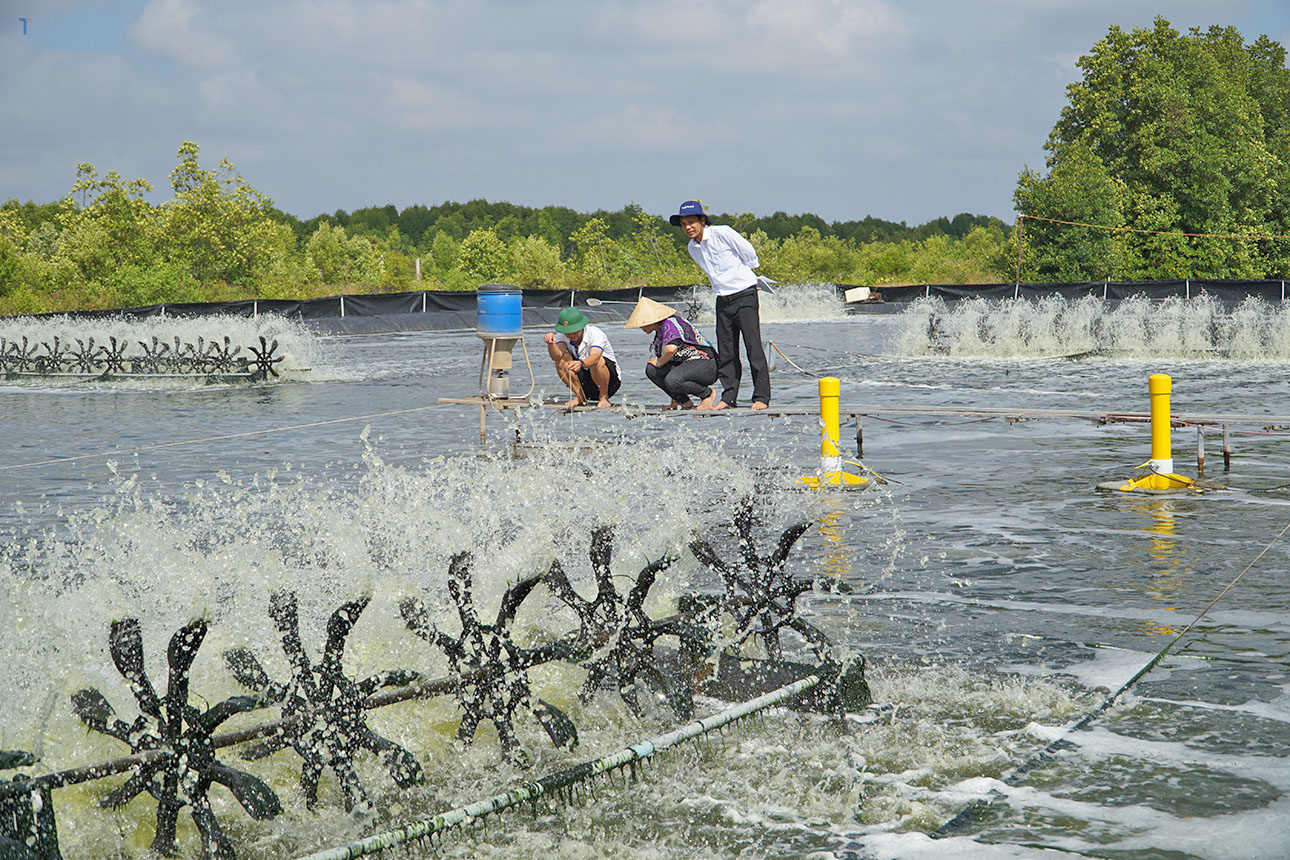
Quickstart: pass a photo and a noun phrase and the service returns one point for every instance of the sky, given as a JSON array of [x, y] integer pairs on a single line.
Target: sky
[[906, 110]]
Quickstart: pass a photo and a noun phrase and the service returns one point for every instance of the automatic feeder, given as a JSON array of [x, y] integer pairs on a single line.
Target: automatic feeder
[[500, 319]]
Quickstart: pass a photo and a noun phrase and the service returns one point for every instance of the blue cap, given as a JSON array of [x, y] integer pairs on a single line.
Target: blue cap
[[689, 207]]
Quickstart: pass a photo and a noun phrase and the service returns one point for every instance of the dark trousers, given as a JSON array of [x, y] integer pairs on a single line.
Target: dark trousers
[[738, 315], [591, 391], [684, 379]]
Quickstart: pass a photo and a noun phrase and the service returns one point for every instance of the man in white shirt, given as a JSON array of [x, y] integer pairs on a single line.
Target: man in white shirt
[[583, 358], [728, 260]]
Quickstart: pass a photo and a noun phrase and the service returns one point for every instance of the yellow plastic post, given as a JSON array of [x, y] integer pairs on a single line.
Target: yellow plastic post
[[831, 473], [1162, 457], [830, 434], [1160, 478]]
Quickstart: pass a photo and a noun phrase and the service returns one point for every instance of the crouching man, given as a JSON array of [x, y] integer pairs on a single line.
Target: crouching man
[[583, 358]]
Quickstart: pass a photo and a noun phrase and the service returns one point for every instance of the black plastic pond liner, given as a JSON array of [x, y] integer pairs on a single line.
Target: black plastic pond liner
[[442, 310]]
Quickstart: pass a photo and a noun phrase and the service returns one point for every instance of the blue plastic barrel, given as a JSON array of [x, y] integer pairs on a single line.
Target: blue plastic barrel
[[501, 310]]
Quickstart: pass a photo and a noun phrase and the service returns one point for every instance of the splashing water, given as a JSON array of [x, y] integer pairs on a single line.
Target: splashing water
[[385, 531], [298, 348], [1137, 327], [991, 609], [789, 303]]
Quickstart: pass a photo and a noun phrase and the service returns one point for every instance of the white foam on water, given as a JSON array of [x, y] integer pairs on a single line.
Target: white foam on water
[[786, 785], [1276, 709], [1098, 742], [220, 551], [1200, 327]]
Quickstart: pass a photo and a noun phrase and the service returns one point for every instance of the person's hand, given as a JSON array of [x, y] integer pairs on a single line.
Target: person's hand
[[575, 366], [549, 337]]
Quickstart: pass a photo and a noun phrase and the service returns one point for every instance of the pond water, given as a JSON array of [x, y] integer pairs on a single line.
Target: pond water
[[997, 597]]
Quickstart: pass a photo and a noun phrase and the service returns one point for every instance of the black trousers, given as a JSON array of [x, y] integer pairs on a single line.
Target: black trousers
[[685, 379], [591, 391], [737, 315]]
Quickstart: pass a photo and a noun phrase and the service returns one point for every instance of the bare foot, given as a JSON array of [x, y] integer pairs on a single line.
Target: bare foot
[[604, 404], [570, 404], [757, 405], [720, 404], [675, 405], [707, 403]]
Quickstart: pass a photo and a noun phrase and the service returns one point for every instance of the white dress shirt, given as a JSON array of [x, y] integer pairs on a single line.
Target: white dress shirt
[[727, 258]]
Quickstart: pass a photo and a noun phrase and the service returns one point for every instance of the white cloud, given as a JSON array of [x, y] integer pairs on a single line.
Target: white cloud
[[803, 28], [181, 32], [419, 105], [899, 109]]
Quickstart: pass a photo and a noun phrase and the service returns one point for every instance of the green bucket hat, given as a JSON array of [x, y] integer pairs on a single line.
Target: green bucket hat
[[571, 320]]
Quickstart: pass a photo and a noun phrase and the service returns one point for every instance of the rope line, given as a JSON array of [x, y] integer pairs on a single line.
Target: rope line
[[222, 438], [976, 808], [828, 349], [1157, 232], [790, 361]]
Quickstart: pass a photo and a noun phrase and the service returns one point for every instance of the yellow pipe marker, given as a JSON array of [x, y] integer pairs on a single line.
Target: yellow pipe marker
[[1161, 477], [1160, 386], [831, 473]]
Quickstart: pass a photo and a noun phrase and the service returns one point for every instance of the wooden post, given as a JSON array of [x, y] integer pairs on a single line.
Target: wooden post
[[1227, 452], [1200, 451]]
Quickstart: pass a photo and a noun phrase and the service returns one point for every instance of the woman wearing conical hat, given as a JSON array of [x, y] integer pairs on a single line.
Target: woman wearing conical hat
[[681, 362]]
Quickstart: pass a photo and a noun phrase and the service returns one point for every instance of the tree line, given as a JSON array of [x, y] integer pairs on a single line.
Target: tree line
[[105, 245], [1165, 134]]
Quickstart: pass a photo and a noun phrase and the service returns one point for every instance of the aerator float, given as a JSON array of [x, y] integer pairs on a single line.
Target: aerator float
[[148, 359], [321, 711]]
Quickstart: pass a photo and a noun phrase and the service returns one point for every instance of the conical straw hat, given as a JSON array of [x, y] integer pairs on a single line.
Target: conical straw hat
[[648, 311]]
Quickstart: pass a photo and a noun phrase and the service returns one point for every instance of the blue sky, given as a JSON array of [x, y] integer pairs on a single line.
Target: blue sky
[[844, 108]]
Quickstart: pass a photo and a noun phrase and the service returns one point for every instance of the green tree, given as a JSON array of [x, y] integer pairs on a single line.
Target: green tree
[[443, 250], [535, 262], [482, 256], [13, 235], [114, 211], [595, 253], [221, 226], [337, 258], [651, 250], [1077, 189], [809, 256], [1193, 127]]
